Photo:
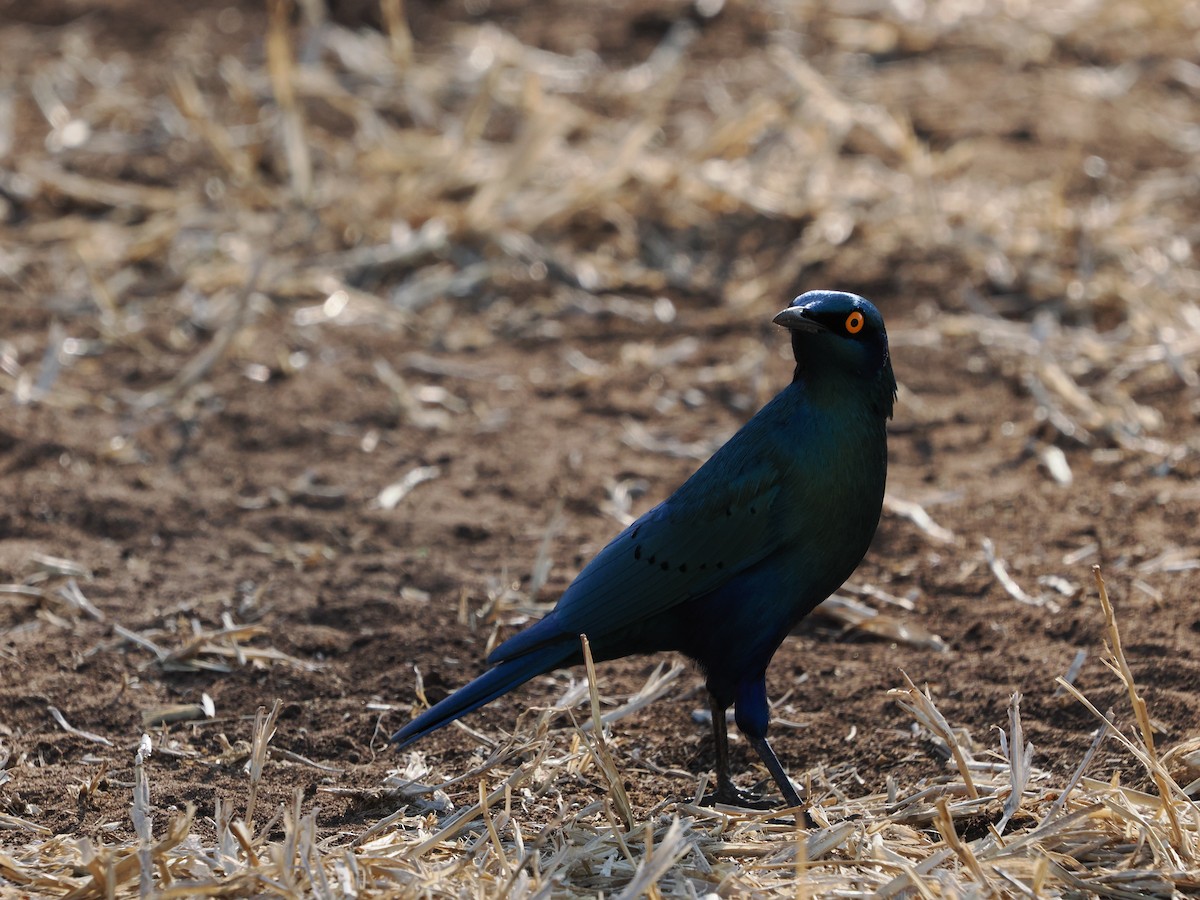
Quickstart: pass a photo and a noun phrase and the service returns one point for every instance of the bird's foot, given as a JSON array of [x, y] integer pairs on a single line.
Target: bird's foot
[[729, 794]]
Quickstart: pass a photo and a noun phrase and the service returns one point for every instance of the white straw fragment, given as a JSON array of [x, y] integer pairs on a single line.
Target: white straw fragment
[[915, 513], [390, 496], [1014, 590], [70, 729]]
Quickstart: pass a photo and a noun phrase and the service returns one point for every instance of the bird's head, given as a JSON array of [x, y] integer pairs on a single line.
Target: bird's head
[[836, 331]]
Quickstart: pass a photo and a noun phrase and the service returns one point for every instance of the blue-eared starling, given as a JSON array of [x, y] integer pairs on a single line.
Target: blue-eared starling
[[723, 569]]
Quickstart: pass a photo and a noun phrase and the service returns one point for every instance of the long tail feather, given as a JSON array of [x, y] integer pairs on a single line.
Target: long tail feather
[[484, 689]]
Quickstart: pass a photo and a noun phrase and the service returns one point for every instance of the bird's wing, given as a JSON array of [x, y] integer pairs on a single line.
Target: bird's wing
[[723, 520], [698, 539]]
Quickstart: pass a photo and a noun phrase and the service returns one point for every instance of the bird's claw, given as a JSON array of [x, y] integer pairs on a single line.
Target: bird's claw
[[731, 795]]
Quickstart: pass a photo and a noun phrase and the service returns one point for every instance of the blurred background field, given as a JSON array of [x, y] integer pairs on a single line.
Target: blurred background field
[[335, 338]]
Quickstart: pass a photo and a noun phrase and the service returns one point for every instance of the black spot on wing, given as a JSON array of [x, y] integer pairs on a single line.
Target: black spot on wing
[[709, 534]]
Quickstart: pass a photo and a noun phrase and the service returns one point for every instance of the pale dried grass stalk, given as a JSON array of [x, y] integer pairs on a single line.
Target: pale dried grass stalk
[[1014, 590], [1019, 753], [945, 826], [915, 513], [657, 684], [281, 66], [1162, 779], [260, 738], [604, 758], [921, 707], [70, 729], [143, 822], [657, 861]]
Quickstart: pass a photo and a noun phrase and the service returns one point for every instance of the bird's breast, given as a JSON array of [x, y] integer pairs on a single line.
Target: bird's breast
[[838, 476]]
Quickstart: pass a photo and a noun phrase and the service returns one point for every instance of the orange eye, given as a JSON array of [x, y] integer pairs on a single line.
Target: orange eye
[[854, 322]]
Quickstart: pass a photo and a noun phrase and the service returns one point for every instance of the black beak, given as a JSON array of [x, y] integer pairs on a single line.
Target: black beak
[[796, 318]]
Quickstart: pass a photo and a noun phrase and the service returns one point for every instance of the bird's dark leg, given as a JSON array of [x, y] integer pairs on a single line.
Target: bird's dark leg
[[752, 714], [727, 792], [767, 755]]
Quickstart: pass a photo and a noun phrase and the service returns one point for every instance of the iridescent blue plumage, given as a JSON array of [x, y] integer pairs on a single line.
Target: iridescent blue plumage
[[726, 566]]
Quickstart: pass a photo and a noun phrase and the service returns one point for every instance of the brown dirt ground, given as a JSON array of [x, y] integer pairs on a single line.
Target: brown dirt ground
[[256, 503]]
